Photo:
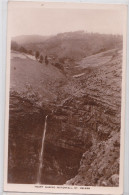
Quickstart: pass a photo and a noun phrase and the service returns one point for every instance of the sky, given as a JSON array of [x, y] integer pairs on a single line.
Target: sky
[[28, 20]]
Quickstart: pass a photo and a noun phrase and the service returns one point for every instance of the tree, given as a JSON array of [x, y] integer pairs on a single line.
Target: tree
[[41, 59], [23, 50], [37, 54], [46, 60], [30, 52]]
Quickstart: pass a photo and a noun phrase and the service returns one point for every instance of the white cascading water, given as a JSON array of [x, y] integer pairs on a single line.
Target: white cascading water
[[42, 152]]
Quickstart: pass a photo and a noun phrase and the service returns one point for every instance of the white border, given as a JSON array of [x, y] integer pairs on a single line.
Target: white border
[[124, 89]]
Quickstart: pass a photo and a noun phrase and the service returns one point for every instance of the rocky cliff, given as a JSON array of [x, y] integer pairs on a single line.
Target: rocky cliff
[[99, 165]]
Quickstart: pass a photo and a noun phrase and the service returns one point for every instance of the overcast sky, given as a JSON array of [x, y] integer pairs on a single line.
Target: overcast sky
[[46, 21]]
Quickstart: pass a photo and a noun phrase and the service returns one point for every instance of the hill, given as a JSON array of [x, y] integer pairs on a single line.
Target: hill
[[27, 39], [73, 45]]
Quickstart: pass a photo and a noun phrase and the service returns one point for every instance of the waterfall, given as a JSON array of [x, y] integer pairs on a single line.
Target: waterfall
[[42, 152]]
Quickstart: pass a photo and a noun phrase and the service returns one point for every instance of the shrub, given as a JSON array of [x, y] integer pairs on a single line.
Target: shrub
[[23, 50], [30, 52]]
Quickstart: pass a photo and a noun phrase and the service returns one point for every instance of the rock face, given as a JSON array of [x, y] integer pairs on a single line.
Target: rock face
[[25, 138], [100, 164], [82, 143]]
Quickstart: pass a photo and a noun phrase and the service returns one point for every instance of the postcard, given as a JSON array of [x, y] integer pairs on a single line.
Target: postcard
[[65, 98]]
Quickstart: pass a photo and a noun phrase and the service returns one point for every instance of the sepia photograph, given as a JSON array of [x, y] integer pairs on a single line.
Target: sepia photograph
[[65, 97]]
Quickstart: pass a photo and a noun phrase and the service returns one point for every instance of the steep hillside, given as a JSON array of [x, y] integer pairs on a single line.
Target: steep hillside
[[100, 99], [34, 80]]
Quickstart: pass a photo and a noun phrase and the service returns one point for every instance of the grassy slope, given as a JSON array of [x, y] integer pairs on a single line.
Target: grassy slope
[[30, 77]]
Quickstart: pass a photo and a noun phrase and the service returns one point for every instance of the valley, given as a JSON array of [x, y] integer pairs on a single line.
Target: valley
[[83, 104]]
